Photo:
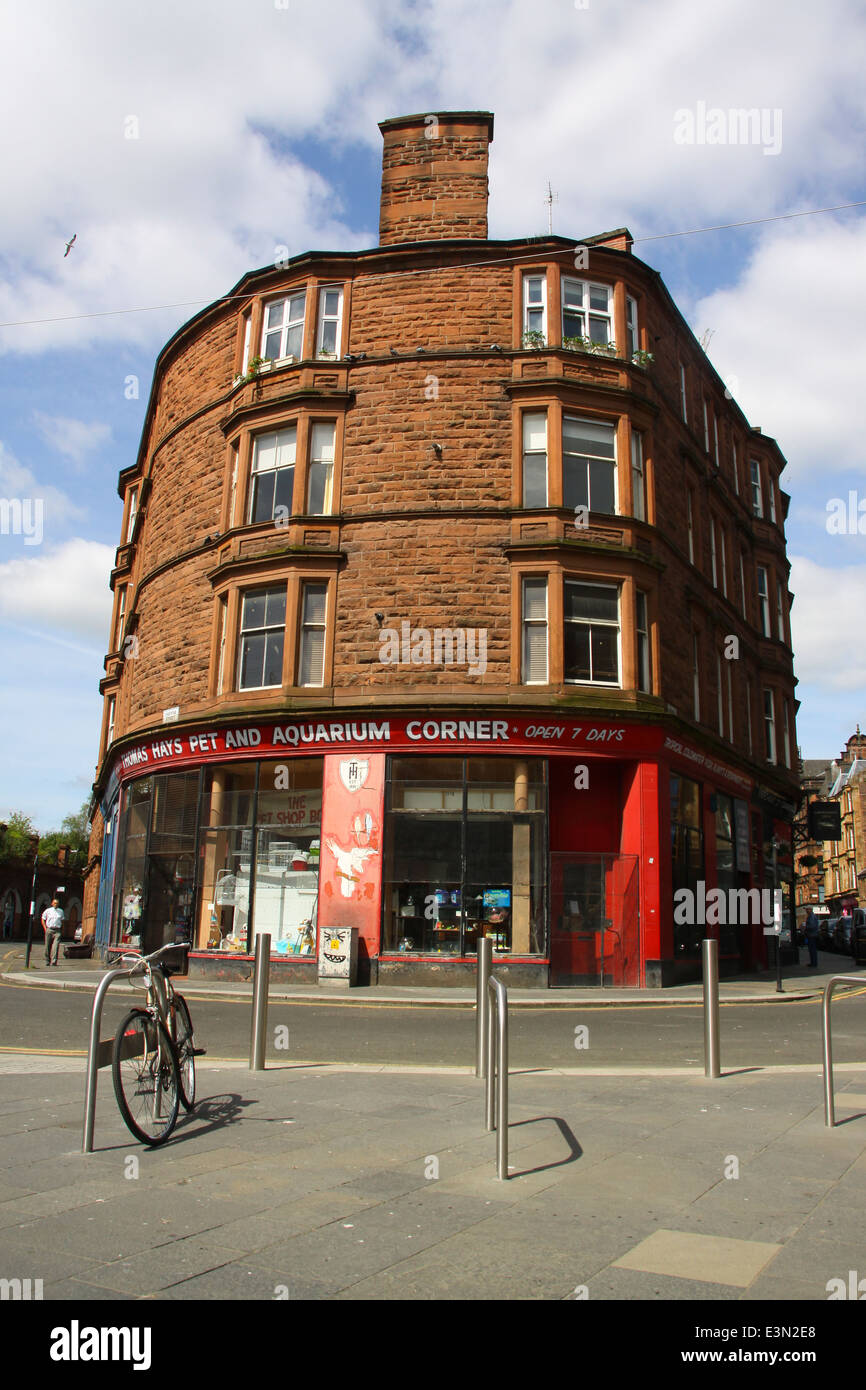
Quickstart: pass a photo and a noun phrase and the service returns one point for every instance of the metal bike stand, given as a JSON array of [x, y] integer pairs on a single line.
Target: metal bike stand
[[259, 1023], [710, 954], [496, 1097], [829, 1102], [99, 1054], [484, 948]]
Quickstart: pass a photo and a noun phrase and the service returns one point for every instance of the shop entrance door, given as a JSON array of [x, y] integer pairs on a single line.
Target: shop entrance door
[[594, 931]]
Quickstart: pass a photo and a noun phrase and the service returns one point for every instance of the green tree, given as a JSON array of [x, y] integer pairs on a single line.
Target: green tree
[[15, 842], [72, 832]]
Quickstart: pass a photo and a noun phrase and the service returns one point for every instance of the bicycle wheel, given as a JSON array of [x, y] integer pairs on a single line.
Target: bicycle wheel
[[146, 1078], [185, 1047]]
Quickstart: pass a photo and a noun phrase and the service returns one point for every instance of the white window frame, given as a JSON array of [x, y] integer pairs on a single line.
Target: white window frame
[[121, 616], [529, 278], [736, 465], [644, 659], [248, 328], [632, 335], [723, 560], [770, 749], [534, 454], [786, 733], [110, 722], [594, 424], [716, 438], [586, 311], [771, 499], [691, 526], [541, 583], [714, 570], [696, 679], [743, 603], [320, 462], [757, 488], [307, 627], [133, 513], [684, 394], [780, 611], [286, 326], [764, 601], [598, 622], [284, 435], [323, 319], [263, 588], [223, 629], [706, 427], [638, 476]]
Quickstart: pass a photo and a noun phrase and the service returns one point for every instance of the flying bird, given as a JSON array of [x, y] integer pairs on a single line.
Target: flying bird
[[69, 245]]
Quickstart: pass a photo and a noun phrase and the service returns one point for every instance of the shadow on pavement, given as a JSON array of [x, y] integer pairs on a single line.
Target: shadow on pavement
[[576, 1151]]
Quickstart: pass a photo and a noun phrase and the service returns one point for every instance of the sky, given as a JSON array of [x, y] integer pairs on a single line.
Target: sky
[[182, 143]]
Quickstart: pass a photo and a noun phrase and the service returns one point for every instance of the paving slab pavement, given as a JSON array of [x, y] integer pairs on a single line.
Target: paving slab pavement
[[377, 1183]]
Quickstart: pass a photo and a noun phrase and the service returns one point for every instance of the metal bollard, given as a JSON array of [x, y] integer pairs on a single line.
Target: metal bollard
[[484, 947], [260, 1001], [710, 955], [94, 1060], [496, 1097]]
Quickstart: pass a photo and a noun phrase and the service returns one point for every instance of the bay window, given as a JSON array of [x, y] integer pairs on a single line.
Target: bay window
[[311, 653], [262, 637], [321, 469], [283, 327], [591, 637], [588, 465], [638, 481], [764, 601], [769, 726], [272, 474], [330, 321], [757, 495], [535, 460], [632, 340], [534, 631], [587, 311], [535, 304], [644, 670]]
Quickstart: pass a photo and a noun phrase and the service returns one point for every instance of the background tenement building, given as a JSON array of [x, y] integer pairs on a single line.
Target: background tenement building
[[451, 598]]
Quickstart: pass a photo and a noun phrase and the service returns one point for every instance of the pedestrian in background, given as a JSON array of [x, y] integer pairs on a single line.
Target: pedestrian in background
[[810, 931], [52, 925]]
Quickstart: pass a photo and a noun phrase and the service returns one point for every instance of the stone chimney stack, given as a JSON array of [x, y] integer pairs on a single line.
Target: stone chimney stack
[[434, 177]]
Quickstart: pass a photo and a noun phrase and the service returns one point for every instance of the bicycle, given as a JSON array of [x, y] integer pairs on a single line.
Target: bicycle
[[153, 1064]]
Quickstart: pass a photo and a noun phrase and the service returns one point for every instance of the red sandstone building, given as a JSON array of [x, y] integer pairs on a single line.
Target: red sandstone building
[[451, 600]]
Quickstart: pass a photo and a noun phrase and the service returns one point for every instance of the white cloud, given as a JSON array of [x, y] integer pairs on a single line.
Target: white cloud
[[789, 331], [71, 437], [826, 615], [64, 591], [18, 481], [210, 186]]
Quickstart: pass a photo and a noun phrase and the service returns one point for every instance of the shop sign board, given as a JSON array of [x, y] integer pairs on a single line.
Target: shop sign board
[[357, 739]]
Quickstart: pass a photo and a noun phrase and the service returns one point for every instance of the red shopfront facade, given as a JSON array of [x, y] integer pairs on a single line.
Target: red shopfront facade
[[563, 839]]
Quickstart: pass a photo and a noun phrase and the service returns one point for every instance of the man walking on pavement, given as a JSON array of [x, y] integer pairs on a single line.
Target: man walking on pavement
[[52, 925]]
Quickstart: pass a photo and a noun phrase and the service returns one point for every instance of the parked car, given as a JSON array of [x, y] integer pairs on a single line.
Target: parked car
[[825, 933], [842, 934], [858, 936]]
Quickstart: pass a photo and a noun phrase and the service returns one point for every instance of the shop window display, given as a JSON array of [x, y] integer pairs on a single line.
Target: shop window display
[[465, 855]]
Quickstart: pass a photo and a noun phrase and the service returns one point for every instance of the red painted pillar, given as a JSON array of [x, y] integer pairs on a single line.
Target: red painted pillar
[[350, 865], [643, 829]]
